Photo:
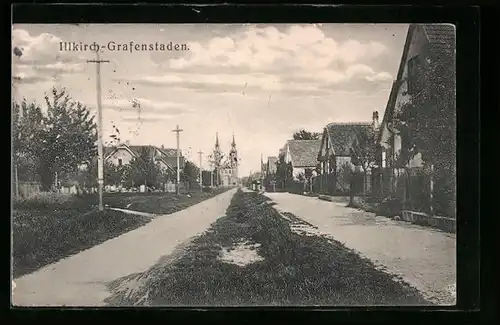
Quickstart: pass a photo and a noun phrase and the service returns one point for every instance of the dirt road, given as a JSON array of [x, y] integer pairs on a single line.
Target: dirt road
[[80, 280], [423, 257]]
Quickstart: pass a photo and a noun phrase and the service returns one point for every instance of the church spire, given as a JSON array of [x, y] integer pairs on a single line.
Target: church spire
[[216, 139], [233, 144]]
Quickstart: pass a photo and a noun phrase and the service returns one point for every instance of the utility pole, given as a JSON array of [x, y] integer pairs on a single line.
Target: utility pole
[[201, 174], [100, 150], [178, 131], [261, 173]]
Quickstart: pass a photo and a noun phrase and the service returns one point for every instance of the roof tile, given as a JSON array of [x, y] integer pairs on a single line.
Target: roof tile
[[342, 136], [304, 152]]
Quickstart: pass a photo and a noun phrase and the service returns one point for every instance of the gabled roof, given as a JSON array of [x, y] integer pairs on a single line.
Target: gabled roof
[[271, 162], [342, 135], [304, 153], [136, 150], [441, 37], [389, 109]]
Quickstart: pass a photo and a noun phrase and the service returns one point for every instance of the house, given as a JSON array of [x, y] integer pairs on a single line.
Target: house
[[301, 154], [423, 42], [335, 151], [271, 165], [123, 154]]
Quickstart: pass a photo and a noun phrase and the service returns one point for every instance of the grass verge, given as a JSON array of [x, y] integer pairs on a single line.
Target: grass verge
[[44, 237], [296, 269], [51, 226], [158, 203]]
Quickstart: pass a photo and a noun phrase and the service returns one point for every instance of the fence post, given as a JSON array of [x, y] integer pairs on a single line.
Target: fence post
[[431, 191], [17, 181]]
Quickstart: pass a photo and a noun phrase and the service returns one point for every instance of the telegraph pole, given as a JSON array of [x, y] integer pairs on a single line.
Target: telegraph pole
[[178, 131], [261, 173], [201, 174], [100, 150]]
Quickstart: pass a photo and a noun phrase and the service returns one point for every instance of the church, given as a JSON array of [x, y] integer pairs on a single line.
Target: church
[[228, 167]]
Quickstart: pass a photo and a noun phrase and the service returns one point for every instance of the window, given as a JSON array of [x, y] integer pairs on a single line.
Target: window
[[413, 80], [120, 162], [384, 159]]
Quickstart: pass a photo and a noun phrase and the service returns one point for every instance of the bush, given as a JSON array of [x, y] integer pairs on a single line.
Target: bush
[[390, 207], [52, 200]]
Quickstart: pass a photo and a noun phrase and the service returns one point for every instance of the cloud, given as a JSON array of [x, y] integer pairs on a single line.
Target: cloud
[[143, 106], [41, 54], [223, 81], [149, 118], [298, 59], [298, 46]]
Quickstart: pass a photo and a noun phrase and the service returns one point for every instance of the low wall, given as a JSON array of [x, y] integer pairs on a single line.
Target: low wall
[[443, 223]]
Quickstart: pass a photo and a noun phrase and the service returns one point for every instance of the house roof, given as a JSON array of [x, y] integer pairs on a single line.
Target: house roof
[[389, 109], [167, 153], [441, 37], [136, 150], [342, 135], [304, 153], [271, 162]]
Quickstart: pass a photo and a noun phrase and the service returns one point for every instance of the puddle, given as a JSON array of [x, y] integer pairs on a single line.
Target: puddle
[[241, 254]]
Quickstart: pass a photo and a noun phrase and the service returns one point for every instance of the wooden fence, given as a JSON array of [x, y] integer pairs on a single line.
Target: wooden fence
[[26, 189]]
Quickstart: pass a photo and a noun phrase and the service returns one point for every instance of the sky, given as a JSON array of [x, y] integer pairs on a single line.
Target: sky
[[259, 82]]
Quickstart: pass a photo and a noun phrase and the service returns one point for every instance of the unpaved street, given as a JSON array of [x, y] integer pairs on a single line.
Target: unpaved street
[[424, 257], [80, 280]]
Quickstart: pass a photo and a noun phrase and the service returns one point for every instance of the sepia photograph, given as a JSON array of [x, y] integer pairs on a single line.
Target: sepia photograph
[[229, 165]]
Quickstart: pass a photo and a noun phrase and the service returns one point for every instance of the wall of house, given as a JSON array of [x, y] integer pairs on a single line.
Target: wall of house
[[417, 46], [297, 171], [122, 154], [386, 137], [288, 157], [341, 160]]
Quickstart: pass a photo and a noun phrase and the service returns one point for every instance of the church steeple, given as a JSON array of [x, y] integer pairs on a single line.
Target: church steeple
[[233, 144], [217, 139]]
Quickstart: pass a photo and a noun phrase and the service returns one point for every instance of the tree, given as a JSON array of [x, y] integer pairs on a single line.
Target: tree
[[308, 174], [143, 170], [426, 122], [190, 173], [114, 174], [284, 170], [364, 151], [306, 135], [27, 122], [344, 176], [60, 140]]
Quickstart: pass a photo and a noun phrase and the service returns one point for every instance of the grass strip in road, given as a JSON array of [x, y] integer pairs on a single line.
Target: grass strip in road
[[293, 269]]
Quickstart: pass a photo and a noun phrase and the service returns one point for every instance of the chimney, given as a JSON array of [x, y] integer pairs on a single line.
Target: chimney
[[162, 146], [127, 142], [375, 120]]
